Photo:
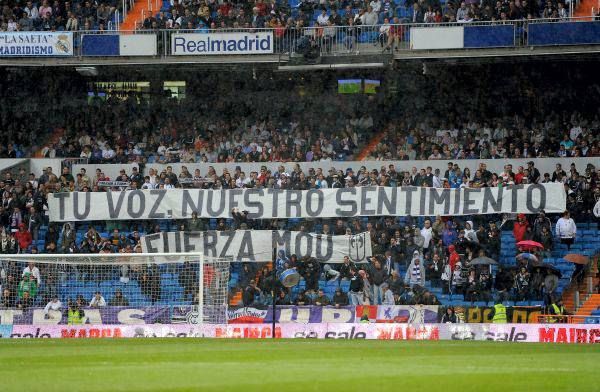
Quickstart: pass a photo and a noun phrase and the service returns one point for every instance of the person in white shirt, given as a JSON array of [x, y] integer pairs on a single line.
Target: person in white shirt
[[168, 184], [427, 233], [242, 180], [108, 153], [566, 230], [33, 270], [98, 301], [147, 184], [55, 305], [388, 296], [437, 181], [323, 18], [376, 5]]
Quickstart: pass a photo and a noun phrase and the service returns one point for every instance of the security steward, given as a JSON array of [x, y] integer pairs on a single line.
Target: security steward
[[499, 313], [557, 309]]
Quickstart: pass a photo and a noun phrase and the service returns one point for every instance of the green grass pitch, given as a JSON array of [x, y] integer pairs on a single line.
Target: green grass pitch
[[294, 365]]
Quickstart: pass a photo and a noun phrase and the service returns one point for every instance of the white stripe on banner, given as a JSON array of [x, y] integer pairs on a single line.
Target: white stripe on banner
[[437, 38], [137, 44], [257, 245], [315, 203], [523, 333]]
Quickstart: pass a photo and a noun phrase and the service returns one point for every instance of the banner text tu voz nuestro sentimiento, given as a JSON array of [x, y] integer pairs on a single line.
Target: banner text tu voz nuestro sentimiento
[[314, 203]]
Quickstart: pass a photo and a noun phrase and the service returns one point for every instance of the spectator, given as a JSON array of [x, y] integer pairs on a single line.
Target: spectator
[[249, 294], [322, 299], [8, 300], [522, 285], [427, 234], [28, 285], [340, 298], [415, 275], [31, 269], [118, 299], [550, 286], [303, 299], [97, 301], [566, 230], [310, 271], [378, 277], [388, 296], [355, 293], [25, 301], [395, 284], [453, 257], [54, 305], [520, 227], [283, 298], [330, 274], [449, 316]]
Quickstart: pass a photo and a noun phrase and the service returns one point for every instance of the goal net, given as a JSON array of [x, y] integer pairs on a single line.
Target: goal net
[[191, 288]]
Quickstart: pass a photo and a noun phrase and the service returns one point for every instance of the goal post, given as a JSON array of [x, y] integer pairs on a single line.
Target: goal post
[[156, 281]]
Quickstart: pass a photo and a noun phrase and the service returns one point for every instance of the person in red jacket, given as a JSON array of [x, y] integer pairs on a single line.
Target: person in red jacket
[[520, 227], [454, 257], [23, 237]]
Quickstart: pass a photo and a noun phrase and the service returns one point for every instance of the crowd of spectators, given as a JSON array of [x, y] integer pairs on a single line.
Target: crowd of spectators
[[285, 17], [57, 15], [270, 119], [410, 251]]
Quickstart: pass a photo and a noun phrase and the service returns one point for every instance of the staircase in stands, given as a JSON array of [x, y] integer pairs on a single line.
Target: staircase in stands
[[586, 299], [140, 10], [586, 8], [592, 303]]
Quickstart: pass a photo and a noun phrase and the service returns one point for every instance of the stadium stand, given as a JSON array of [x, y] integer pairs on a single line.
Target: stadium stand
[[114, 130]]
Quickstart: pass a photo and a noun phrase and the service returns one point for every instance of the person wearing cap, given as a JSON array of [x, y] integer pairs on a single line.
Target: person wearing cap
[[136, 176]]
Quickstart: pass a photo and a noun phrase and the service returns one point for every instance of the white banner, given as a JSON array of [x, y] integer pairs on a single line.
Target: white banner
[[314, 203], [523, 333], [437, 38], [36, 44], [260, 42], [258, 245]]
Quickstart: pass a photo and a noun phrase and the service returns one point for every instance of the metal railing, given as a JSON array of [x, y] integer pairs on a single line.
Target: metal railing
[[361, 39], [329, 40]]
